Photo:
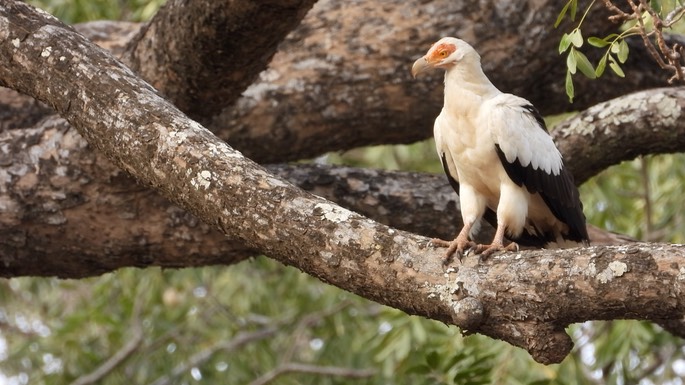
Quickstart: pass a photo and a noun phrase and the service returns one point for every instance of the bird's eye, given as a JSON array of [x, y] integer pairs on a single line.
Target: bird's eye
[[443, 53]]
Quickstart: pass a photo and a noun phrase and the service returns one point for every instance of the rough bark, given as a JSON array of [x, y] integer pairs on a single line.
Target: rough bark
[[334, 85], [642, 123], [359, 78], [367, 97], [68, 211], [22, 111], [219, 48], [507, 297], [152, 232]]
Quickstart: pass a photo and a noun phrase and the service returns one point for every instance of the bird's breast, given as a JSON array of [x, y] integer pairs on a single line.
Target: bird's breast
[[473, 152]]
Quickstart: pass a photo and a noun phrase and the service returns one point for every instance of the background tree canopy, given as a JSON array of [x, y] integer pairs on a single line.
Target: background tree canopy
[[258, 321]]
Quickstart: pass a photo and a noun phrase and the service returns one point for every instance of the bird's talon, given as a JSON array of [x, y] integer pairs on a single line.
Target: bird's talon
[[457, 246], [437, 242], [486, 251]]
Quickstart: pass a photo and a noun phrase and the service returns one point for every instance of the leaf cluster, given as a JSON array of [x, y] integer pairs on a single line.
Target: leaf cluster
[[616, 52]]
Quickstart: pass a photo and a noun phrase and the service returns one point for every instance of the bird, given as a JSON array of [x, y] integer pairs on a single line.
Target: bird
[[500, 159]]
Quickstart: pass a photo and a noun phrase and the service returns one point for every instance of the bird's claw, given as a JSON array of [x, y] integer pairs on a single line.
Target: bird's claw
[[486, 251], [457, 246]]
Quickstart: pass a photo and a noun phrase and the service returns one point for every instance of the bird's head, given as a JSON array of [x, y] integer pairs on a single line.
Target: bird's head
[[445, 53]]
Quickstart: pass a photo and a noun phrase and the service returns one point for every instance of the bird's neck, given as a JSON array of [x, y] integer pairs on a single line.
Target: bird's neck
[[466, 86]]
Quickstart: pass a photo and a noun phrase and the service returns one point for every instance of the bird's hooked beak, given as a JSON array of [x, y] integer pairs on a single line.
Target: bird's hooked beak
[[419, 66]]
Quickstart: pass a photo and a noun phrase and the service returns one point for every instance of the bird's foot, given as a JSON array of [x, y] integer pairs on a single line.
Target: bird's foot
[[457, 245], [486, 251]]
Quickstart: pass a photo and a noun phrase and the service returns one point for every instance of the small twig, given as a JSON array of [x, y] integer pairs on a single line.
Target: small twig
[[240, 340], [674, 16], [668, 58], [659, 360], [122, 354], [671, 55], [304, 324], [619, 15], [307, 322], [647, 196], [293, 367]]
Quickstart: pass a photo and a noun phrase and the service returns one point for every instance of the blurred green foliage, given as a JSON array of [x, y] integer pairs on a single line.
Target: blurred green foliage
[[183, 326], [77, 11]]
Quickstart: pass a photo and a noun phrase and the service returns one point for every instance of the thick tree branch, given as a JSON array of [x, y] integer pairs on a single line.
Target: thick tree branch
[[70, 184], [68, 211], [507, 297], [203, 54], [370, 98], [334, 86], [642, 123], [51, 188]]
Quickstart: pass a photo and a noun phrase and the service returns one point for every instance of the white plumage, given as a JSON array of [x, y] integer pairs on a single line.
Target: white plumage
[[497, 153], [519, 134]]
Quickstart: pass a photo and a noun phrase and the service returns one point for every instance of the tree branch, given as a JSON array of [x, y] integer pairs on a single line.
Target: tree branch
[[280, 118], [370, 99], [122, 354], [355, 88], [218, 49], [240, 340], [642, 123], [69, 212], [51, 188], [294, 367], [298, 337]]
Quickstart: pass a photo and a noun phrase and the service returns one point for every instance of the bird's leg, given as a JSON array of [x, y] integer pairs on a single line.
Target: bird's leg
[[458, 244], [497, 244]]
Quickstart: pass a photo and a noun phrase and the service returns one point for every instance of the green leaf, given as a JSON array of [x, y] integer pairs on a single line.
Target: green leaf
[[458, 357], [616, 67], [584, 64], [574, 8], [560, 18], [564, 43], [433, 360], [577, 38], [601, 66], [419, 369], [571, 62], [597, 42], [569, 86], [623, 51], [614, 47]]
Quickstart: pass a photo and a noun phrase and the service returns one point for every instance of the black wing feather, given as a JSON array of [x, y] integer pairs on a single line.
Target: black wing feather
[[558, 191], [450, 178]]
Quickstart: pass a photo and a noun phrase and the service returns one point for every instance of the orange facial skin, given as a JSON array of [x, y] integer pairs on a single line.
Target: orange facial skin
[[440, 52]]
